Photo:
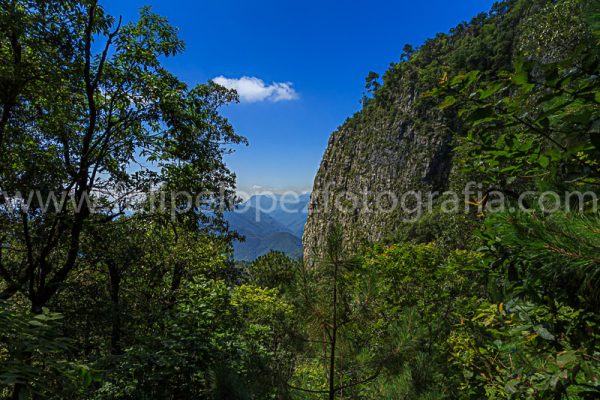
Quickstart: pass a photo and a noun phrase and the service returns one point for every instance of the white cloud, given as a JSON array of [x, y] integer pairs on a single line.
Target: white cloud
[[252, 90]]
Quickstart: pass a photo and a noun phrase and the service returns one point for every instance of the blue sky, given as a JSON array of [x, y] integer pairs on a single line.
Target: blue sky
[[317, 53]]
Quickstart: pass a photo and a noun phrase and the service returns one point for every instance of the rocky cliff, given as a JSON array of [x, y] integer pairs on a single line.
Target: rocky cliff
[[374, 170], [401, 142]]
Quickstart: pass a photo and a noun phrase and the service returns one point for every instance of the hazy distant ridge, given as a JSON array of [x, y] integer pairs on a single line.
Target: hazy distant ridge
[[269, 223]]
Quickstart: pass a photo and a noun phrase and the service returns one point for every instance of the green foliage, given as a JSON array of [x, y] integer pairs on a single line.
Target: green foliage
[[541, 120], [557, 255], [592, 12], [338, 327], [524, 350], [449, 230], [148, 305], [100, 124], [534, 127], [424, 290], [274, 270], [32, 348], [551, 34], [218, 343], [97, 125]]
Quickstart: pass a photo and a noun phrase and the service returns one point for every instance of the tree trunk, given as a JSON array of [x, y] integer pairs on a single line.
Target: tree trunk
[[333, 335]]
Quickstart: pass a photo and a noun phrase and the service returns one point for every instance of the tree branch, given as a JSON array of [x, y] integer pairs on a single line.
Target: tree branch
[[105, 53]]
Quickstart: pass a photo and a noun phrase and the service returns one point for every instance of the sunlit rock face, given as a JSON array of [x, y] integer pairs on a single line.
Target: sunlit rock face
[[372, 164]]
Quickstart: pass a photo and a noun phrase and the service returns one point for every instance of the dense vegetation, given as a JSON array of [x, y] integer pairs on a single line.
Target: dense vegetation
[[119, 299]]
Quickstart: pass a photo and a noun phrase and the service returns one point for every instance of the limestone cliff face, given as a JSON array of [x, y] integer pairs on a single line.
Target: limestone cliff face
[[372, 164]]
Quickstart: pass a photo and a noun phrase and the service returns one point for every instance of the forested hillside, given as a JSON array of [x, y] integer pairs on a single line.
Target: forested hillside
[[117, 278], [402, 140]]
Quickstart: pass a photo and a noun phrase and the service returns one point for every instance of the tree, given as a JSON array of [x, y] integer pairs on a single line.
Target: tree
[[534, 337], [82, 135], [407, 52], [32, 350], [535, 127], [78, 130], [274, 270], [338, 326], [538, 123]]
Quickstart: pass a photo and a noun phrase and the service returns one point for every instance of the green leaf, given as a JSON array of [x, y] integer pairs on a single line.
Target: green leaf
[[448, 102], [521, 77], [566, 358], [491, 90], [543, 332], [543, 161], [526, 145]]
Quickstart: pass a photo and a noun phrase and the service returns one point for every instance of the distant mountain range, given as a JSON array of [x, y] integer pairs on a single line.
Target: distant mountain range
[[269, 223]]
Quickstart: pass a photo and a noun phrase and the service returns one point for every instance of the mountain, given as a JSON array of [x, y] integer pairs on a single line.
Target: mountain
[[255, 247], [291, 210], [401, 141], [269, 223], [249, 221]]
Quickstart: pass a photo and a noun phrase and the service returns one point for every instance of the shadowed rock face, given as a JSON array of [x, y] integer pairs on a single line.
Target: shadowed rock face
[[382, 150]]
